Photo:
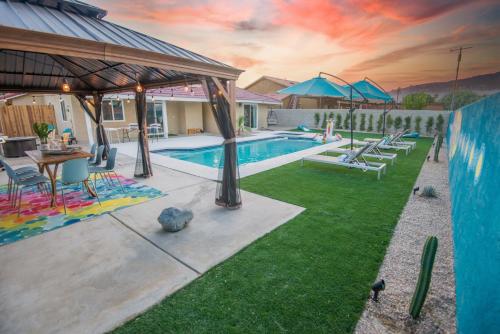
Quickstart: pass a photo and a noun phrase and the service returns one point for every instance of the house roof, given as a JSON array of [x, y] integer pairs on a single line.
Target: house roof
[[196, 93], [279, 81]]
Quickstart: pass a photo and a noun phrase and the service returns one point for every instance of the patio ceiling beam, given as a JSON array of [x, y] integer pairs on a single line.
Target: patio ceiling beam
[[41, 42], [55, 60], [40, 90], [83, 68]]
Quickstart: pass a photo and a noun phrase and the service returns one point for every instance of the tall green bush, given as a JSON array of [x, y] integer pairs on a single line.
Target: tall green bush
[[362, 125], [317, 118], [398, 121], [345, 126], [354, 124], [439, 123], [338, 122], [331, 115], [389, 122], [418, 120], [325, 119], [429, 124], [370, 123], [407, 125], [380, 122]]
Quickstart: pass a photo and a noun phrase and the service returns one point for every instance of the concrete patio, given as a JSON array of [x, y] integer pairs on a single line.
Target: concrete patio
[[92, 276]]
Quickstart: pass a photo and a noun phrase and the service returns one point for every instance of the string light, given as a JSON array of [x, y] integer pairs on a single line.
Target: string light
[[65, 86], [192, 91], [152, 98], [34, 100], [128, 98], [60, 98], [139, 88]]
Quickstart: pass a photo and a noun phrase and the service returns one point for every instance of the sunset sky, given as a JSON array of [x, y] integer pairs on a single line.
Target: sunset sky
[[397, 43]]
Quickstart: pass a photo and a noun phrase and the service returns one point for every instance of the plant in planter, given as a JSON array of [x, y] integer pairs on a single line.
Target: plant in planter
[[325, 119], [407, 125], [398, 121], [389, 122], [42, 130], [380, 122], [429, 124], [241, 125], [346, 122], [354, 123]]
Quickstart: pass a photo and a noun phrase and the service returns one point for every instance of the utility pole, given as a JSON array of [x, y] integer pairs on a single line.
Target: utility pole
[[459, 60]]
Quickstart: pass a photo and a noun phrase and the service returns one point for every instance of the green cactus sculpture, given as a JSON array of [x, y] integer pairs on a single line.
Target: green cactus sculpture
[[437, 148], [424, 278]]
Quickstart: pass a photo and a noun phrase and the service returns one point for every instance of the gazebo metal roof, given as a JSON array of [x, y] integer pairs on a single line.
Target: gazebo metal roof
[[44, 42]]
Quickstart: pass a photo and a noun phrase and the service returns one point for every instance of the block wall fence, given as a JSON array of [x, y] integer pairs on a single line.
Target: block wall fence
[[293, 117]]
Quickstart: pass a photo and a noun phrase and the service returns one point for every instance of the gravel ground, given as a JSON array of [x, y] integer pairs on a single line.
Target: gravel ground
[[421, 217]]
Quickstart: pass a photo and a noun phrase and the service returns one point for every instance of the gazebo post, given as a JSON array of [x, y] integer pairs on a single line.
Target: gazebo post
[[100, 131], [143, 162]]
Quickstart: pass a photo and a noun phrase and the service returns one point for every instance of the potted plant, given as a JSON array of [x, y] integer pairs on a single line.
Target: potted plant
[[42, 130]]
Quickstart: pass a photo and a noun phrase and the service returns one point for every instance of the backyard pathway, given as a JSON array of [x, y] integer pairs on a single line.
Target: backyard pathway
[[421, 217], [91, 276]]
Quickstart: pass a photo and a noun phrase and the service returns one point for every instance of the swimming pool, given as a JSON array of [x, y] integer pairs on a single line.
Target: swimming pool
[[248, 152]]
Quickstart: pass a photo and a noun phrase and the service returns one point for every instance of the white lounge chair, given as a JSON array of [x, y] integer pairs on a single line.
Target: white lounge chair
[[372, 152], [391, 143], [352, 160]]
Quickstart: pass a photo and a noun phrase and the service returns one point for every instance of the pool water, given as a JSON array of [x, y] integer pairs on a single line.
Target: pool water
[[248, 152]]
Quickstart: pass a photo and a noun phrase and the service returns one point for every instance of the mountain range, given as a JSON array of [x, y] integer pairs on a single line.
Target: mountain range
[[485, 84]]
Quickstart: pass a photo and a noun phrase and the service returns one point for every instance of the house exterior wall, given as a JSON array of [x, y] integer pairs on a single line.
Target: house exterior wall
[[193, 114], [264, 86]]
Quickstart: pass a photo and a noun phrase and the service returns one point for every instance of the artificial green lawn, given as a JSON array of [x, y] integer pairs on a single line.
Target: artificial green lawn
[[312, 274]]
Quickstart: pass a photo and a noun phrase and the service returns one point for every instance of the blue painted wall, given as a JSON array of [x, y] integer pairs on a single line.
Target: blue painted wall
[[474, 165]]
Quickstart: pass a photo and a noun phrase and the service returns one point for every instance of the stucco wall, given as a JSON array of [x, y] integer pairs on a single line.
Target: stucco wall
[[474, 162], [265, 86], [193, 115], [294, 117]]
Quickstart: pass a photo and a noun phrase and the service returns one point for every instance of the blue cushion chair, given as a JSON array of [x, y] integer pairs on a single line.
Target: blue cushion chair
[[74, 172]]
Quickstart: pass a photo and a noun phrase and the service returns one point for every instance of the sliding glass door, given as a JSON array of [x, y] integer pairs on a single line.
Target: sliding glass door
[[250, 115]]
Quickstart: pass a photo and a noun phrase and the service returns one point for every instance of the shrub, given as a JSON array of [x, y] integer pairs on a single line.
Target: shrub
[[370, 122], [407, 123], [439, 123], [380, 122], [429, 124], [362, 125], [325, 118], [317, 118], [462, 98], [398, 121], [417, 101], [331, 115], [346, 122], [389, 122], [354, 124], [429, 191], [418, 120], [338, 122]]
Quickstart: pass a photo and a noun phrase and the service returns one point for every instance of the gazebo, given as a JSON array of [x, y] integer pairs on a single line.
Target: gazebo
[[65, 47]]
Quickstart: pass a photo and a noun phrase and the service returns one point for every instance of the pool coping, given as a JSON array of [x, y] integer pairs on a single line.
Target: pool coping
[[244, 170]]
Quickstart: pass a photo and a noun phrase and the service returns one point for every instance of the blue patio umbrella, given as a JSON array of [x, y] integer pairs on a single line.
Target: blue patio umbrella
[[373, 91], [317, 87]]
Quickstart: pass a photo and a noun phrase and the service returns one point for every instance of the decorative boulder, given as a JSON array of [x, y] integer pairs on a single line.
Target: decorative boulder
[[174, 220]]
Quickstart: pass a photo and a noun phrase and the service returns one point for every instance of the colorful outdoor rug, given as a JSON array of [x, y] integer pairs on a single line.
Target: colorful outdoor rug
[[38, 217]]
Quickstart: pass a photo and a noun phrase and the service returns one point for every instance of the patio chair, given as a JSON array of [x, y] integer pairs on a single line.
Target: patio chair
[[155, 130], [93, 149], [22, 181], [75, 171], [353, 159], [371, 152], [98, 157], [389, 143], [22, 173], [106, 171]]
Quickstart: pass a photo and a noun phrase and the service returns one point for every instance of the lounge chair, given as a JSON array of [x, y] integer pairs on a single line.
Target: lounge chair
[[372, 152], [391, 142], [352, 160]]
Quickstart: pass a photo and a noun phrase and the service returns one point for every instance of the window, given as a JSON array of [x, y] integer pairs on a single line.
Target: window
[[63, 111], [250, 115], [112, 110]]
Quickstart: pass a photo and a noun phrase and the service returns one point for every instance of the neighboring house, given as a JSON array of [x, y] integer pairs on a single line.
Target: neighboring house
[[177, 110], [271, 85]]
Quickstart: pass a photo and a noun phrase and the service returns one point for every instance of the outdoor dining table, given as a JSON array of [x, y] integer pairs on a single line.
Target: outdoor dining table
[[44, 161]]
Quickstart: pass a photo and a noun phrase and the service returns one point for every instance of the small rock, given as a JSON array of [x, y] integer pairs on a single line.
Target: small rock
[[174, 220]]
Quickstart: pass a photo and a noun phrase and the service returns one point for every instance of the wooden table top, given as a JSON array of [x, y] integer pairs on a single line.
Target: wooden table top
[[47, 159]]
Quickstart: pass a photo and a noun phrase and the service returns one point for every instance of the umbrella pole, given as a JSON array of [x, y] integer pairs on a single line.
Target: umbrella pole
[[350, 111], [383, 129]]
